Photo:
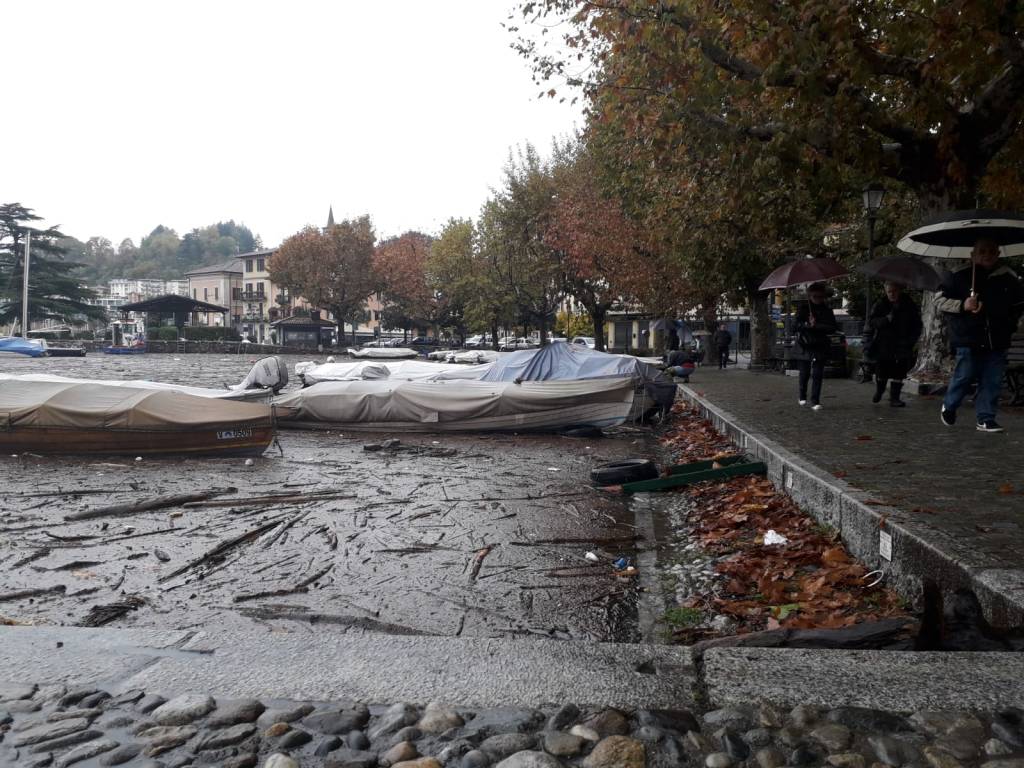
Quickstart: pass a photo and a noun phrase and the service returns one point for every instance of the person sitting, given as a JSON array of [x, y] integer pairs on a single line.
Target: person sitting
[[679, 362]]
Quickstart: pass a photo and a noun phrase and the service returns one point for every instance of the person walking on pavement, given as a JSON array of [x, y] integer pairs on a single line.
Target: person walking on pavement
[[814, 322], [896, 323], [722, 340], [983, 304]]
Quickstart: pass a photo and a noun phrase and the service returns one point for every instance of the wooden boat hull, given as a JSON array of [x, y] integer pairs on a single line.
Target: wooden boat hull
[[213, 440]]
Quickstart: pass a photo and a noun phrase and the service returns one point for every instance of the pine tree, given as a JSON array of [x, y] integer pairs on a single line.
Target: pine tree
[[55, 293]]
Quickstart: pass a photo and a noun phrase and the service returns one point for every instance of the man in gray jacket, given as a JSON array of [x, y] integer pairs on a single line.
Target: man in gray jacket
[[983, 303]]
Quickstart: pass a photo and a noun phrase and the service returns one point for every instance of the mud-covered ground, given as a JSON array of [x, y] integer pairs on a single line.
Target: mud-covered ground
[[472, 535]]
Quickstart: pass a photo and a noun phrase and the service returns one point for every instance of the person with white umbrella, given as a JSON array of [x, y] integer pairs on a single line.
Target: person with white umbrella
[[983, 303]]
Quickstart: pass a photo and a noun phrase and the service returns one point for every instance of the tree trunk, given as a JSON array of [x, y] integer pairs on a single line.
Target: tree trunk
[[934, 363], [710, 315], [760, 328], [598, 314], [494, 334]]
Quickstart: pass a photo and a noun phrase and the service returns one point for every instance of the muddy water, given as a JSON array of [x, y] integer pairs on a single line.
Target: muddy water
[[468, 535]]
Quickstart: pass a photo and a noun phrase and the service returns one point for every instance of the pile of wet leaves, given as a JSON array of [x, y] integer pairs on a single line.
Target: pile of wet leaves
[[801, 577]]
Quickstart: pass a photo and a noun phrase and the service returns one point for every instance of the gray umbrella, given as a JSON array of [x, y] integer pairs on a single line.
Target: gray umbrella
[[952, 235]]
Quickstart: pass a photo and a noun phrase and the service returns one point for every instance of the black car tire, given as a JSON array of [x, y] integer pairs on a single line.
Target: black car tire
[[624, 471]]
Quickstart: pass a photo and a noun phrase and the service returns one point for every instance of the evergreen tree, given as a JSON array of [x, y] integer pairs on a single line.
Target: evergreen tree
[[54, 292]]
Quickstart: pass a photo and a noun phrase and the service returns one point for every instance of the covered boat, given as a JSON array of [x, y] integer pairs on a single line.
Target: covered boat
[[574, 362], [60, 417], [406, 370], [383, 353], [14, 345], [460, 405], [266, 378]]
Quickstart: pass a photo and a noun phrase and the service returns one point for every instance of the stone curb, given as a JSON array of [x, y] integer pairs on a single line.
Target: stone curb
[[839, 505]]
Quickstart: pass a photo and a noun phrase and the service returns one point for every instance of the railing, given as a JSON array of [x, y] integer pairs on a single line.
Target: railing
[[254, 296]]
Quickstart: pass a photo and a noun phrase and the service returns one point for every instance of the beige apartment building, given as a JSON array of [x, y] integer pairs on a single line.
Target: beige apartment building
[[219, 284]]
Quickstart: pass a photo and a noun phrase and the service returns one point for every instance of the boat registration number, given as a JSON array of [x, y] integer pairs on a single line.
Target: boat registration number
[[234, 434]]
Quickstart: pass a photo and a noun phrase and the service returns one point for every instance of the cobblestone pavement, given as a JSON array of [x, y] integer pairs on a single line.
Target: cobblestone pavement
[[57, 726], [962, 488]]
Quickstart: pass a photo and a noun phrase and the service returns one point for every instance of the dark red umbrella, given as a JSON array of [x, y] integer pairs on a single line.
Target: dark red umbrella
[[804, 271]]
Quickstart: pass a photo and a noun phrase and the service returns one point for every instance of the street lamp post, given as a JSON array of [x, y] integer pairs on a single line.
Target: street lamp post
[[872, 195]]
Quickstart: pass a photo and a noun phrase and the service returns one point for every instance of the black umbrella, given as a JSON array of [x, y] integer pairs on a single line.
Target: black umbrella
[[904, 270], [952, 235]]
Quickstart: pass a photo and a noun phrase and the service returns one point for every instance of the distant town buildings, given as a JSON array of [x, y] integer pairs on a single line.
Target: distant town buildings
[[218, 284]]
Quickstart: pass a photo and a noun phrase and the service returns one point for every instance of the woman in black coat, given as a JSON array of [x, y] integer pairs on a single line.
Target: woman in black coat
[[896, 324], [815, 322]]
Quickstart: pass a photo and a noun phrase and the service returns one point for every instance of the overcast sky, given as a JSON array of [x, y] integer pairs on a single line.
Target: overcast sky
[[187, 112]]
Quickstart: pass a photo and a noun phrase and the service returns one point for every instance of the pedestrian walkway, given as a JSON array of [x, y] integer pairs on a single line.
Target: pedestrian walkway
[[952, 499]]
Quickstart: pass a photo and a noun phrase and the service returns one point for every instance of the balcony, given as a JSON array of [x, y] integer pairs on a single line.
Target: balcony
[[253, 296], [253, 317]]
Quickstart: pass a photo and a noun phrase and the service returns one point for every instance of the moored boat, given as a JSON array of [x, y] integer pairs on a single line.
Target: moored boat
[[60, 417], [15, 345], [382, 353], [459, 405]]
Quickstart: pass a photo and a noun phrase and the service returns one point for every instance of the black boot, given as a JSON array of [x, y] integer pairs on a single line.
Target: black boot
[[894, 395], [879, 390]]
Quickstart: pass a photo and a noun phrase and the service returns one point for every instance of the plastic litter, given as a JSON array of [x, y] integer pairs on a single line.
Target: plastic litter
[[771, 538], [249, 462], [592, 557], [621, 563]]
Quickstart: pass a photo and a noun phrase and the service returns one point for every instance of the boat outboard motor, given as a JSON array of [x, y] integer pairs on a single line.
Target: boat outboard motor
[[268, 373]]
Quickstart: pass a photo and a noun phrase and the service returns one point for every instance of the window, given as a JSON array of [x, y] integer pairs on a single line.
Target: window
[[248, 265], [259, 289], [195, 293], [248, 287], [261, 264], [236, 293], [216, 292], [206, 294]]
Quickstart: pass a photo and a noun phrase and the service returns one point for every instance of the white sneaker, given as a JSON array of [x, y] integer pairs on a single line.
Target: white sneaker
[[816, 407], [802, 402]]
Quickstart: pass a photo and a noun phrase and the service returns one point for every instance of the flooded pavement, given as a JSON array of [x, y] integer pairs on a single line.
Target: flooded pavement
[[452, 535]]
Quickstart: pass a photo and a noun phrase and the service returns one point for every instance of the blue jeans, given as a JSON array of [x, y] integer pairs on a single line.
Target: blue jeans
[[987, 368]]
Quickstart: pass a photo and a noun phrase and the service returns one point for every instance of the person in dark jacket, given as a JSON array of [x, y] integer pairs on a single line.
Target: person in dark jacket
[[896, 324], [722, 340], [983, 304], [814, 322]]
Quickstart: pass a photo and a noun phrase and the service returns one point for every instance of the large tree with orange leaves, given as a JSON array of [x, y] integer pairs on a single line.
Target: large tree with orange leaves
[[401, 266], [929, 96], [331, 269]]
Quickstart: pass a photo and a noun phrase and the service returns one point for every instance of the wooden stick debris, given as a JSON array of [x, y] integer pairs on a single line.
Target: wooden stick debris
[[222, 548], [290, 498], [147, 505], [300, 587], [478, 561], [22, 594]]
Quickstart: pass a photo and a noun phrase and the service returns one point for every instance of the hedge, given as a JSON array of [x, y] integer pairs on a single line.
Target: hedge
[[211, 333]]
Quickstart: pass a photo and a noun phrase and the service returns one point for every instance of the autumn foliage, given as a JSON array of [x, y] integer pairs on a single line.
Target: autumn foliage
[[811, 582]]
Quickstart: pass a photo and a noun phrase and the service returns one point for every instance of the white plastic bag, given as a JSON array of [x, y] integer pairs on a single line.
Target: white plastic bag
[[771, 538]]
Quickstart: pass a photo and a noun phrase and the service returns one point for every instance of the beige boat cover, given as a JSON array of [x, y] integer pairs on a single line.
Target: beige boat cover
[[465, 405], [100, 406]]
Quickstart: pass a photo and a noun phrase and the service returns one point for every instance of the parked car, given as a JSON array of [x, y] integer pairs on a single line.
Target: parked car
[[423, 341], [587, 341], [510, 344], [479, 340]]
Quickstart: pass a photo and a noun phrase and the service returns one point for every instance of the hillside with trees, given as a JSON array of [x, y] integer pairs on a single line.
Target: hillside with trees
[[161, 253]]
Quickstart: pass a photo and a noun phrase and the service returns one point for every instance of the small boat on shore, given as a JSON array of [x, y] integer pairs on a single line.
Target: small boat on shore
[[98, 419], [65, 351], [266, 378], [459, 405], [383, 353], [15, 345]]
